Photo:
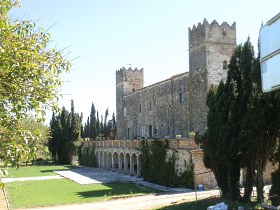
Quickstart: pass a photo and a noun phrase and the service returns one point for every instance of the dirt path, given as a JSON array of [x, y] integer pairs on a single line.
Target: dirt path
[[3, 204], [135, 203]]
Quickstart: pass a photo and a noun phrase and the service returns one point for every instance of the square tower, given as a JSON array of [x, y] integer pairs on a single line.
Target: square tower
[[127, 81], [210, 49]]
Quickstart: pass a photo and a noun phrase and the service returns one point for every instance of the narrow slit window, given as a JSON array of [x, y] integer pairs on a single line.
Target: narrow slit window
[[225, 65], [181, 97]]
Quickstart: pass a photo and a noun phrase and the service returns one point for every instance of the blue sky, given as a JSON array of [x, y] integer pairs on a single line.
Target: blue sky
[[105, 35]]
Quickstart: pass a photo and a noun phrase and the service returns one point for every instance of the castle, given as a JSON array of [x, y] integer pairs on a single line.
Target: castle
[[175, 106], [170, 108]]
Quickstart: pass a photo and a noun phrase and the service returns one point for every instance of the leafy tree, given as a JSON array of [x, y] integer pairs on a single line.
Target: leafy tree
[[42, 134], [29, 82]]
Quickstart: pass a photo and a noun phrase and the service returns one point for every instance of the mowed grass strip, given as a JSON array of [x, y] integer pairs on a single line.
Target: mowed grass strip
[[58, 192], [35, 170]]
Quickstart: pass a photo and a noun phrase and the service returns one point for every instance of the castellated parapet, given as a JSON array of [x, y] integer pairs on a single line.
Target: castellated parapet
[[213, 32], [132, 79]]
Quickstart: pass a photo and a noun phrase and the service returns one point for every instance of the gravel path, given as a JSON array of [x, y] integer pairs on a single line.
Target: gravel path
[[6, 180]]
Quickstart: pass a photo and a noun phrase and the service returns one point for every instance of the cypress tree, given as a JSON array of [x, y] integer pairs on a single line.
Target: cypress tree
[[65, 133], [92, 123]]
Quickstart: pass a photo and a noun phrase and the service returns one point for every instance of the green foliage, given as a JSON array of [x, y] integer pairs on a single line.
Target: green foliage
[[275, 188], [42, 134], [65, 135], [87, 156], [236, 137], [98, 129], [156, 168], [29, 82]]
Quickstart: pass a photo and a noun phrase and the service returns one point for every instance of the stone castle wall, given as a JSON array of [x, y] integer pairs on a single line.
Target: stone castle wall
[[156, 110], [175, 106]]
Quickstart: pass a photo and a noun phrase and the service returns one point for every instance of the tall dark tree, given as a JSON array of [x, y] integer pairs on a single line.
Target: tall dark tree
[[65, 134], [92, 123], [260, 129], [242, 131], [105, 124]]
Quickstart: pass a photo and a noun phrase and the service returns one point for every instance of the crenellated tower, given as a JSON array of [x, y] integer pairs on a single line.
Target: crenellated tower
[[210, 49], [127, 81]]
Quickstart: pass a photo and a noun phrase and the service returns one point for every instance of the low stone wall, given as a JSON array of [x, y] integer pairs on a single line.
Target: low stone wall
[[202, 174]]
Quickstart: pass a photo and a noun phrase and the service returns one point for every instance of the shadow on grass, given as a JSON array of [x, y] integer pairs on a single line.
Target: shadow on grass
[[205, 203], [66, 168], [115, 190], [95, 193]]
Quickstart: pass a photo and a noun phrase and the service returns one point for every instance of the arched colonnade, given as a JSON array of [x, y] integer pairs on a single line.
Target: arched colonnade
[[122, 161]]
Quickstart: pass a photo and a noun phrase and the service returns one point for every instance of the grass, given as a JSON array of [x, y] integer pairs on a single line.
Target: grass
[[205, 203], [35, 170], [58, 192]]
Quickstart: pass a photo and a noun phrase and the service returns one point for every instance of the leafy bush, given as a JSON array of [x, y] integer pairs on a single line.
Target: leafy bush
[[158, 169], [87, 157]]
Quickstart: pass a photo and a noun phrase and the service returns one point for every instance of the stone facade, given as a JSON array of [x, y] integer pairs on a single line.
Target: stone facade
[[175, 106]]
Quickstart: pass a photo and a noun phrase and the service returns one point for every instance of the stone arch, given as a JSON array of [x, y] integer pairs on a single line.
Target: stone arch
[[115, 162], [127, 163], [105, 166], [133, 164], [110, 164], [121, 162]]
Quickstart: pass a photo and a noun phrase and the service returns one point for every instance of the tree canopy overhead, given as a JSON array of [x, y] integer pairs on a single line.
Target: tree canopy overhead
[[29, 81]]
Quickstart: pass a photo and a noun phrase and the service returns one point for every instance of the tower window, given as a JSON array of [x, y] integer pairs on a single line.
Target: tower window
[[225, 65], [150, 105], [181, 97], [140, 108]]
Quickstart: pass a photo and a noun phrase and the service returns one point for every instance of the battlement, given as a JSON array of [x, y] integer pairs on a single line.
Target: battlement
[[213, 33], [129, 75]]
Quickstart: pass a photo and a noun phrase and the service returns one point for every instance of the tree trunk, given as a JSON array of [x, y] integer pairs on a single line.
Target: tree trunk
[[259, 181], [234, 177], [248, 184]]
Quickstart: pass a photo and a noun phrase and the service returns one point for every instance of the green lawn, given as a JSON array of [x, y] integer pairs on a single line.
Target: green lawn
[[56, 192], [204, 204], [35, 170]]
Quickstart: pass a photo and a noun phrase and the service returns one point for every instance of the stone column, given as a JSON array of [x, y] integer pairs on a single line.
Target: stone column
[[119, 163], [125, 165], [131, 166], [138, 166]]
